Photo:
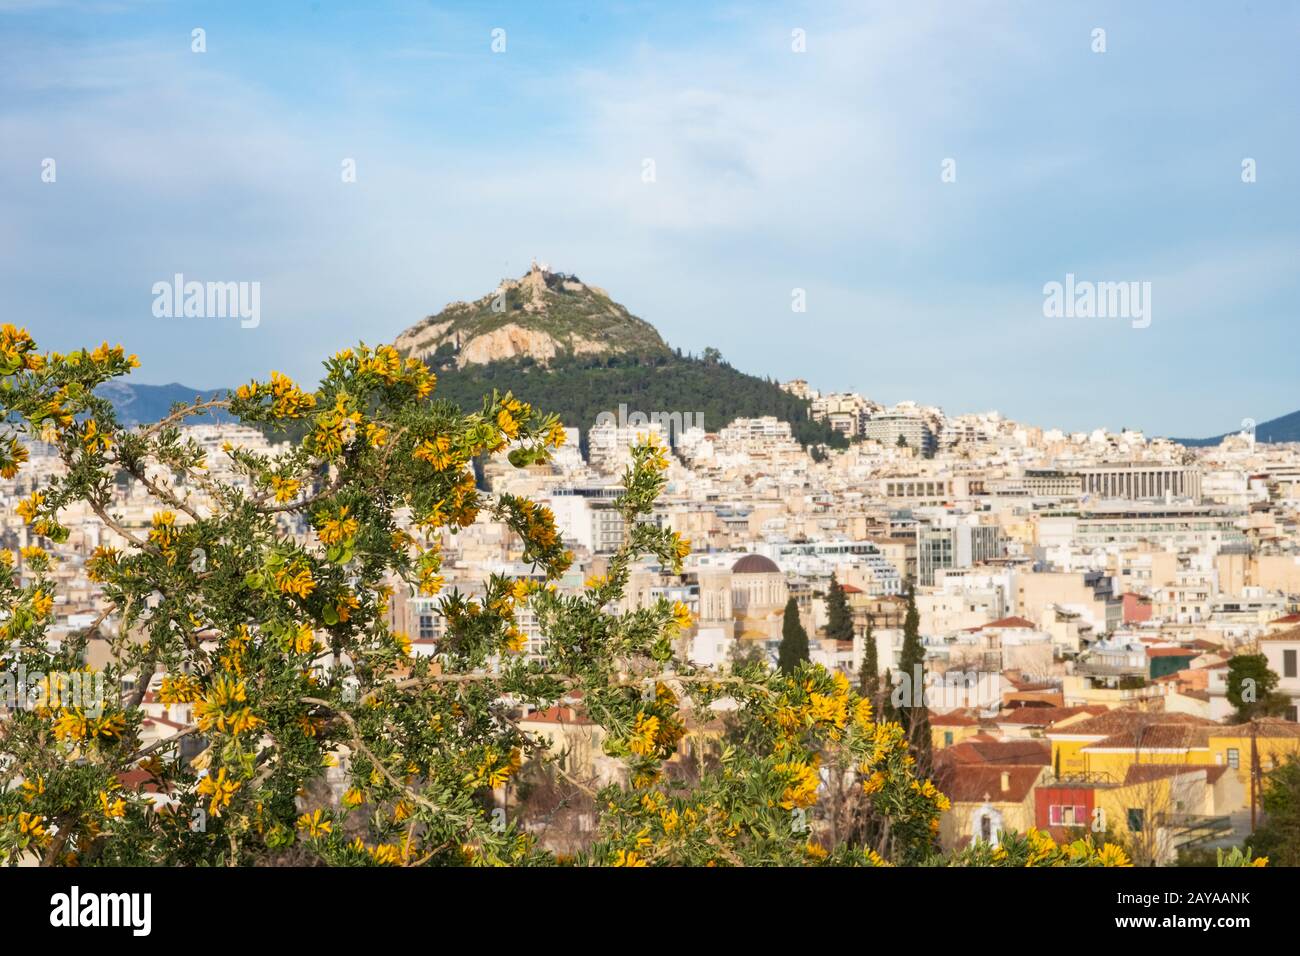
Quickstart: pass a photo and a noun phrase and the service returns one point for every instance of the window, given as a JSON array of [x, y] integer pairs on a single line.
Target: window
[[1054, 815], [1234, 758], [947, 738], [1067, 816], [1135, 819], [1288, 664]]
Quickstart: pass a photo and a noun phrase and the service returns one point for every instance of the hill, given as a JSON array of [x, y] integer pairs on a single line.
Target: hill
[[546, 316], [1283, 429], [567, 347], [145, 404]]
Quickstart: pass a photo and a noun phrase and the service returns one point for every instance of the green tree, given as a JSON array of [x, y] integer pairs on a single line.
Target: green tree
[[839, 625], [869, 671], [262, 604], [887, 709], [1252, 688], [794, 640], [914, 715], [1278, 838]]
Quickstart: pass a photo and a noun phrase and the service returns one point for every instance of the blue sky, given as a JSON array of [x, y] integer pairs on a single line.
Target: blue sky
[[775, 170]]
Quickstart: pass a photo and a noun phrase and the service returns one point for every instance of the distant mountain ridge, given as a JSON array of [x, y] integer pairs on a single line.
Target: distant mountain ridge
[[1276, 430], [146, 404]]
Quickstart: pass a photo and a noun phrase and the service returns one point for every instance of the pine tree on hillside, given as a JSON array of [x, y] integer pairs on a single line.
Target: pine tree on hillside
[[794, 640], [840, 619]]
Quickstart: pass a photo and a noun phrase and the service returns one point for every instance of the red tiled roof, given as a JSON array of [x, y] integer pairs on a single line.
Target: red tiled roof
[[1045, 716], [1125, 719], [975, 783], [1007, 623], [1146, 772], [1155, 737], [983, 750], [954, 719], [1264, 727]]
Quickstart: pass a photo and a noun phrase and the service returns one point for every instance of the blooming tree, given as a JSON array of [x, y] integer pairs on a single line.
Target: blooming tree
[[261, 600]]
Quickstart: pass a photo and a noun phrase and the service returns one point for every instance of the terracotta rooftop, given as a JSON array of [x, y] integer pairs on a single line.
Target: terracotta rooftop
[[1125, 719], [1045, 716], [1018, 752], [1138, 738], [975, 783], [1007, 622]]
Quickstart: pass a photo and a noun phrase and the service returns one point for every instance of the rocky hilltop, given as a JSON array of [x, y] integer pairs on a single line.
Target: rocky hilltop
[[543, 316]]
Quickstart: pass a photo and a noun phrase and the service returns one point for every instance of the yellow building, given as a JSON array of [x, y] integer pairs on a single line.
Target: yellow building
[[1108, 747]]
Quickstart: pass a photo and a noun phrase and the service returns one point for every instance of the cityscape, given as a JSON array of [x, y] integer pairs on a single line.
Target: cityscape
[[751, 532]]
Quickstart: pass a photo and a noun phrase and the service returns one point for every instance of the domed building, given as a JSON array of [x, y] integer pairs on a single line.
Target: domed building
[[758, 597]]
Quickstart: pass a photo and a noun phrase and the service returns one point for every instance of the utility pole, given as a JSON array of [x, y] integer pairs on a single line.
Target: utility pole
[[1254, 773]]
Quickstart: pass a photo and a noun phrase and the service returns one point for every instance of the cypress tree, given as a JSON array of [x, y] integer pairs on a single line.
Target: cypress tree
[[794, 640], [839, 623], [869, 673], [914, 717]]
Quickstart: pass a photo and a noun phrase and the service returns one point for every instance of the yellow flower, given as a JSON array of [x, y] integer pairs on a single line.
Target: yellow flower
[[832, 710], [42, 604], [506, 422], [181, 689], [386, 855], [315, 824], [34, 788], [295, 580], [163, 533], [28, 507], [354, 797], [643, 734], [803, 781], [437, 452], [516, 640], [338, 529], [111, 808], [225, 709], [1112, 855], [286, 489], [682, 617], [556, 435], [18, 455], [862, 713], [220, 788], [628, 858], [302, 641]]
